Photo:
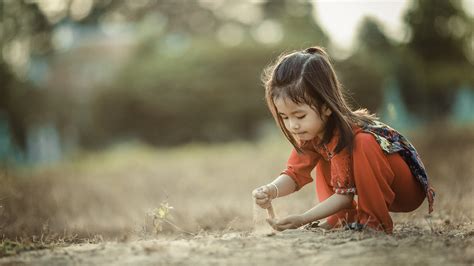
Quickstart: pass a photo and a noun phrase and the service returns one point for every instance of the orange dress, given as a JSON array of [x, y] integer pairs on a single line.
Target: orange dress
[[382, 182]]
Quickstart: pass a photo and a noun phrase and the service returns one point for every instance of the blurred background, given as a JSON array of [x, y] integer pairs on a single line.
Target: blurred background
[[97, 94], [85, 74]]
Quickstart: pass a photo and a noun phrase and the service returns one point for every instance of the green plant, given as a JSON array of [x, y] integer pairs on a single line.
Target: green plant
[[160, 216], [10, 247]]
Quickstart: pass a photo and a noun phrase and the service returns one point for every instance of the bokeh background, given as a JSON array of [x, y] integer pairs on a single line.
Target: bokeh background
[[111, 107]]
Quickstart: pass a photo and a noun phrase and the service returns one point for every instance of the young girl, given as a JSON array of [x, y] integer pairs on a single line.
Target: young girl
[[354, 154]]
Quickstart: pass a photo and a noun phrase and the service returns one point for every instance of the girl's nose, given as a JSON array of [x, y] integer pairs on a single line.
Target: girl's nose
[[295, 126]]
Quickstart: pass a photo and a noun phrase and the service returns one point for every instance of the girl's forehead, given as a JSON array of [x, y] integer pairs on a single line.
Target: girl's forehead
[[287, 103]]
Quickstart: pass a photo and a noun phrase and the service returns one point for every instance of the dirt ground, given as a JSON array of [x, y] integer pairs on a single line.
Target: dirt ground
[[94, 210], [408, 246]]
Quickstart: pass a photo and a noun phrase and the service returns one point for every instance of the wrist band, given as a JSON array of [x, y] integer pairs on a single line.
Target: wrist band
[[276, 188]]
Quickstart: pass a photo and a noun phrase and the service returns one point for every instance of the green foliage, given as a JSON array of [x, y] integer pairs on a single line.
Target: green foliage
[[372, 39], [436, 58], [208, 93], [363, 81], [197, 89], [366, 71], [11, 247], [428, 68], [160, 216], [440, 31], [8, 247]]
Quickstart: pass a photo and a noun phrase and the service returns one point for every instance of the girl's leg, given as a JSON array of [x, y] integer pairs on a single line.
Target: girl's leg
[[324, 191], [409, 193], [373, 178]]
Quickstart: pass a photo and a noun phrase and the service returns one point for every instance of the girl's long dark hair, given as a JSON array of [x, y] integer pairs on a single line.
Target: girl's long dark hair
[[307, 77]]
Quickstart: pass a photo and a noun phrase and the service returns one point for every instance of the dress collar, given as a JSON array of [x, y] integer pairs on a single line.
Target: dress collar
[[326, 150]]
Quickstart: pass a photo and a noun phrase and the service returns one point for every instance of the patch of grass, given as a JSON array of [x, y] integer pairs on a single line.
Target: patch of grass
[[9, 247], [12, 247], [161, 216]]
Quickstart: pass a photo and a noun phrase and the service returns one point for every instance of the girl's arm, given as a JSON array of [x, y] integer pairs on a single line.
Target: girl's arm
[[330, 206], [285, 185]]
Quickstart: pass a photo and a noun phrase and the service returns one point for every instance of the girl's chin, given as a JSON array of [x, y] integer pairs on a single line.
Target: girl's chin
[[303, 137]]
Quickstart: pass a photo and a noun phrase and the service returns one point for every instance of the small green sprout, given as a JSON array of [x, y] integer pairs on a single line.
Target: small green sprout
[[160, 216]]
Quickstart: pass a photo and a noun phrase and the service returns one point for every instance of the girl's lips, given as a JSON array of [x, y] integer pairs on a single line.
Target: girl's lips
[[301, 133]]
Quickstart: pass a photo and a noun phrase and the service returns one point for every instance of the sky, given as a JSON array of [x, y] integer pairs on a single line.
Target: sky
[[340, 18]]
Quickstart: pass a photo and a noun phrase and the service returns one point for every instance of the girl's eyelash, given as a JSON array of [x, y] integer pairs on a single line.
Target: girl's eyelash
[[299, 117]]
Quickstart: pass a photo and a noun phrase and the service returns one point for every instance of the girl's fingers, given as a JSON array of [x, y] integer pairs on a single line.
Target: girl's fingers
[[262, 201], [277, 225], [263, 190], [256, 193], [274, 224], [281, 225], [285, 226], [271, 222], [259, 194]]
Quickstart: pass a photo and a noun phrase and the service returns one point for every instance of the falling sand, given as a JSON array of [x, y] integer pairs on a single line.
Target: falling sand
[[260, 225]]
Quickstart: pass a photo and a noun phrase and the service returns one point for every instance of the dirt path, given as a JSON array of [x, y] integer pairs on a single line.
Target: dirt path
[[406, 246]]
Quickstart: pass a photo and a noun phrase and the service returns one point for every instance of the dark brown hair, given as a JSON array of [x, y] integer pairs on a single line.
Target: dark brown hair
[[307, 77]]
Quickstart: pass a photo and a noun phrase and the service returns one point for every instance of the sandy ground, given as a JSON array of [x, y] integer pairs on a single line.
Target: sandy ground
[[109, 195], [408, 245]]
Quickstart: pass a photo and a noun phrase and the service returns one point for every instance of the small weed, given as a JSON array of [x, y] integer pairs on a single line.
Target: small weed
[[10, 247], [162, 215]]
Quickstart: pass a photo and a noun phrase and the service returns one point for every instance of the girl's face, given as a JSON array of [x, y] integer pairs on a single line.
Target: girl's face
[[301, 120]]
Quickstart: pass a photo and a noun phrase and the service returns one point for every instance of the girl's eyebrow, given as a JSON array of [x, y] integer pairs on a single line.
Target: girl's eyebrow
[[294, 112]]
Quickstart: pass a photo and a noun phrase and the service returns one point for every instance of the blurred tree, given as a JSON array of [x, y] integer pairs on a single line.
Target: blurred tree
[[194, 74], [366, 71], [297, 20], [437, 55], [189, 87], [23, 30], [372, 39], [27, 30], [440, 31]]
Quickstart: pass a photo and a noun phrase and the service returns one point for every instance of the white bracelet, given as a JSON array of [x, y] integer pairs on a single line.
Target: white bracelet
[[276, 196]]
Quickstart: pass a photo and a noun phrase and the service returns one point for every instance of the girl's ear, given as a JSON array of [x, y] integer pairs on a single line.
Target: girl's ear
[[326, 110]]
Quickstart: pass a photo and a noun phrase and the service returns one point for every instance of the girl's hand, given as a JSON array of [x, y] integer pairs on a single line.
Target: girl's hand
[[263, 196], [289, 222]]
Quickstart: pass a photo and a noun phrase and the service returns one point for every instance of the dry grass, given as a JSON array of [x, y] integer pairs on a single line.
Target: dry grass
[[108, 194]]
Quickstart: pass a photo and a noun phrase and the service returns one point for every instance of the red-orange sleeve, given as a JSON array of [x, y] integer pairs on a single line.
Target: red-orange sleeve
[[342, 178], [299, 167]]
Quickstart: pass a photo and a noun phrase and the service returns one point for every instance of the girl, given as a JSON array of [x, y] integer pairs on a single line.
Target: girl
[[354, 154]]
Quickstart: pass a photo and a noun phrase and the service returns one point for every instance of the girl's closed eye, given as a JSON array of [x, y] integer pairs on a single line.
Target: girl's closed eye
[[301, 116]]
